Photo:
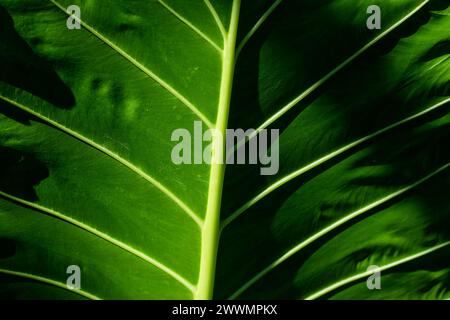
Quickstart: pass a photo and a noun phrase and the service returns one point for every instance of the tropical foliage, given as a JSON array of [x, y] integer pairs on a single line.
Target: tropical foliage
[[86, 177]]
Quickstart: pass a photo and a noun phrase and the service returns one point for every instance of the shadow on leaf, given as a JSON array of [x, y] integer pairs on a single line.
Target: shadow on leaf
[[19, 173], [22, 68]]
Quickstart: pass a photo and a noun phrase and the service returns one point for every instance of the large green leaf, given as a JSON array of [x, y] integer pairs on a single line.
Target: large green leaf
[[86, 176]]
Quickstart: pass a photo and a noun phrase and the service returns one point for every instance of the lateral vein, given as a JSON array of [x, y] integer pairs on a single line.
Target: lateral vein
[[319, 83], [216, 18], [383, 268], [103, 236], [190, 25], [297, 248], [326, 158], [48, 281], [112, 155], [141, 67], [257, 26]]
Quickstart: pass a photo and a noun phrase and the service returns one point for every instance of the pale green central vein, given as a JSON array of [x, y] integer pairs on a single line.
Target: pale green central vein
[[210, 233], [48, 281], [105, 237], [141, 67], [369, 273]]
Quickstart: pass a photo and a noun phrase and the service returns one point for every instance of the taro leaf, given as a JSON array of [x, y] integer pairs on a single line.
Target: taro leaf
[[85, 139]]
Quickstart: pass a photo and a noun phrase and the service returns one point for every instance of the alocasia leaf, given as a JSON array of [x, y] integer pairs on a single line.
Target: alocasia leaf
[[87, 179]]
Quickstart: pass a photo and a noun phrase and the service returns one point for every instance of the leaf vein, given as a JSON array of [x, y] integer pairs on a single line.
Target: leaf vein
[[105, 237], [327, 158], [347, 62], [112, 155], [141, 67], [190, 25], [48, 281], [216, 18], [332, 227], [258, 24], [383, 268]]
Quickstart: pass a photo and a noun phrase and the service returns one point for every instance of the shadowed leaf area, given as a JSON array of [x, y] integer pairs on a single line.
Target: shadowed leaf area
[[19, 173], [22, 68]]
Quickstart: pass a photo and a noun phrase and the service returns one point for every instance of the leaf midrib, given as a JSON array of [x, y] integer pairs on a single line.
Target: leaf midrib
[[125, 162], [189, 105], [211, 231]]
